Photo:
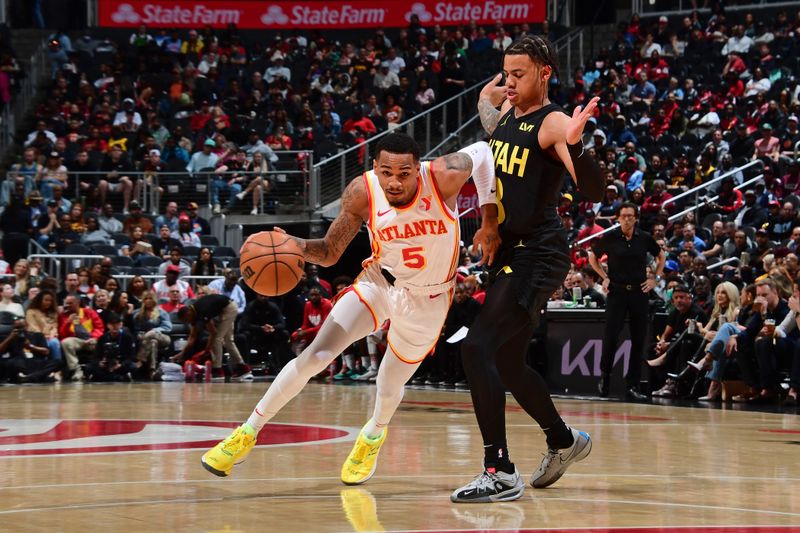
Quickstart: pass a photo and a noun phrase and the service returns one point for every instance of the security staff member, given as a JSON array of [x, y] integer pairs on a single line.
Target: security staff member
[[627, 286]]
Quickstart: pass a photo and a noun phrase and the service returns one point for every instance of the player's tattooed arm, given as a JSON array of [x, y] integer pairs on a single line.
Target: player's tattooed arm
[[458, 161], [489, 115], [355, 209]]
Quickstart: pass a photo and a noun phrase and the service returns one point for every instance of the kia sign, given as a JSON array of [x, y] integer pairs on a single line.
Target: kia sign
[[306, 15]]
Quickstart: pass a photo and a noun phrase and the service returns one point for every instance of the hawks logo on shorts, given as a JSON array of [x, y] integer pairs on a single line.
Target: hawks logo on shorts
[[417, 242]]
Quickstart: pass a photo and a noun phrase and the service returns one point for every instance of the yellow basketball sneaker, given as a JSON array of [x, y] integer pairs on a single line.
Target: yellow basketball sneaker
[[363, 459], [220, 459]]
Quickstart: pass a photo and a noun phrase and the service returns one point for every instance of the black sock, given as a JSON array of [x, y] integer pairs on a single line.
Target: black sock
[[559, 436], [496, 456]]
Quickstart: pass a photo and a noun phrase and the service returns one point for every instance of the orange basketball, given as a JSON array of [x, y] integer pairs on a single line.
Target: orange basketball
[[271, 263]]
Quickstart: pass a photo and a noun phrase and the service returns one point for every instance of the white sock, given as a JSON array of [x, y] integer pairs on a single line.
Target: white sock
[[373, 430], [288, 384], [349, 361], [392, 378], [365, 361], [373, 362]]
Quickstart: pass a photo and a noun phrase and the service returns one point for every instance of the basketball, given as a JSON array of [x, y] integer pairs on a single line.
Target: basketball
[[271, 263]]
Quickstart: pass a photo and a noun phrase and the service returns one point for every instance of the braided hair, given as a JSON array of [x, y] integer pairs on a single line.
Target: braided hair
[[536, 47]]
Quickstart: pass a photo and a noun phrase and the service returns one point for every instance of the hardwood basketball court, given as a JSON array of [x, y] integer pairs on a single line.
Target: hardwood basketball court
[[127, 457]]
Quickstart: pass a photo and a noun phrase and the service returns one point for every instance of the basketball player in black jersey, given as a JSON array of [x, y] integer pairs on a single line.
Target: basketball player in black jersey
[[534, 144]]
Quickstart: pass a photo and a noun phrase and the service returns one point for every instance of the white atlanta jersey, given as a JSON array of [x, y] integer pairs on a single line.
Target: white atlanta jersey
[[418, 243]]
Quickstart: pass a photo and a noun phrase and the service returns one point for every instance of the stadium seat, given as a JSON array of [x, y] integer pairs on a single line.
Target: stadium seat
[[121, 238], [150, 261], [77, 249], [224, 251], [209, 240], [122, 260], [105, 249]]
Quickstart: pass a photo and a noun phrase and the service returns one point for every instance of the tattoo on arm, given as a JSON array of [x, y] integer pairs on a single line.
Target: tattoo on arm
[[458, 161], [326, 251], [489, 115]]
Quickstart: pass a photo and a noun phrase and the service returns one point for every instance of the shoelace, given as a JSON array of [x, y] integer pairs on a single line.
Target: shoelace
[[362, 452], [483, 480], [233, 443]]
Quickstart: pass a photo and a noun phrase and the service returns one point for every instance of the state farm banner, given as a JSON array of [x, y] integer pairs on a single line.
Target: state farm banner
[[468, 199], [317, 15]]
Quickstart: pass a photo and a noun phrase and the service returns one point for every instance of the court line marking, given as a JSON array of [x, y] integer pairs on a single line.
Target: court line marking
[[396, 497], [335, 478]]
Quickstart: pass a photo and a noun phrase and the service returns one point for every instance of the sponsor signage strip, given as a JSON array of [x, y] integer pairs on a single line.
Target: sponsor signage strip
[[305, 15]]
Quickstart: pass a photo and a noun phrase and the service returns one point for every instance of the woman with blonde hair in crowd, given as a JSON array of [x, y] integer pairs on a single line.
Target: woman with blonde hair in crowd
[[736, 310], [152, 325], [42, 317], [22, 278], [100, 303]]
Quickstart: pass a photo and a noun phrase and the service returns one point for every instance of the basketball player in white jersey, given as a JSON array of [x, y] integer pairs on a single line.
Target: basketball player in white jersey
[[410, 210]]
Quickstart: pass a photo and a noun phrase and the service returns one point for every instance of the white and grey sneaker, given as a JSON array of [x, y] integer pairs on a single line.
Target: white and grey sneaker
[[555, 462], [370, 373], [490, 487]]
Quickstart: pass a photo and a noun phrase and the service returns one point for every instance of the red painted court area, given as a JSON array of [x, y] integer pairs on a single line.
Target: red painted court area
[[105, 436]]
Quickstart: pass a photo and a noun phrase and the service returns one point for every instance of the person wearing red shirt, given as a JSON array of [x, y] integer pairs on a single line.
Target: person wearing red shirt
[[200, 117], [657, 68], [174, 304], [652, 204], [734, 84], [659, 124], [729, 199], [78, 328], [735, 64], [589, 229], [360, 121], [315, 312]]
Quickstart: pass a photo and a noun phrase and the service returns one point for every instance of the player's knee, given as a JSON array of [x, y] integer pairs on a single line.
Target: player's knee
[[312, 361], [509, 366], [473, 349]]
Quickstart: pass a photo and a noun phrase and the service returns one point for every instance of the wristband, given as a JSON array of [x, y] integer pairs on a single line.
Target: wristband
[[575, 150]]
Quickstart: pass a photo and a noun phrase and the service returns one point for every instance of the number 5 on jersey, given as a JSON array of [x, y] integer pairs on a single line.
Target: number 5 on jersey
[[413, 257]]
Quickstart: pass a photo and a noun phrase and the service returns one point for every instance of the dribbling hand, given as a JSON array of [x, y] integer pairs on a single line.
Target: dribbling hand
[[494, 92], [254, 235], [580, 116]]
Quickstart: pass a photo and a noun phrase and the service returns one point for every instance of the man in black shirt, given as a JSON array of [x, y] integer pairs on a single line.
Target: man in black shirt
[[263, 323], [628, 288], [82, 173], [217, 314], [742, 146], [680, 339], [18, 345], [115, 354], [445, 366], [116, 169]]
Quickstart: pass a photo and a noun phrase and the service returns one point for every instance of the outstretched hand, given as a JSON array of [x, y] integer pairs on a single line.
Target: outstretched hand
[[494, 92], [580, 116]]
